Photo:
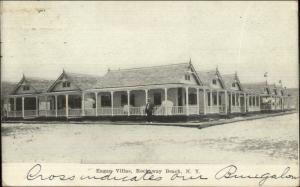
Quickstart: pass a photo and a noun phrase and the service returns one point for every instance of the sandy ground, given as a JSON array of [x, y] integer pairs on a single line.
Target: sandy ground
[[265, 141]]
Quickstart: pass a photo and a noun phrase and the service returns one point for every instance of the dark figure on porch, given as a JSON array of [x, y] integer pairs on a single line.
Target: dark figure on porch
[[149, 111]]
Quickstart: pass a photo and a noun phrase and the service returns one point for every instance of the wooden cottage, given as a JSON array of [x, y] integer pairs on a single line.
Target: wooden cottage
[[24, 98], [237, 98], [215, 95], [175, 90]]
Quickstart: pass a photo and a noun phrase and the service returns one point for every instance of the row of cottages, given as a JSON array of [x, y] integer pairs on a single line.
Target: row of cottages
[[175, 90]]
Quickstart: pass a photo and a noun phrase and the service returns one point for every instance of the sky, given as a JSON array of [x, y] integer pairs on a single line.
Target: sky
[[40, 39]]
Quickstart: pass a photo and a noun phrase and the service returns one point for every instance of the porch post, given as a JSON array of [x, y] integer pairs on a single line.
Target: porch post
[[259, 102], [36, 106], [226, 101], [23, 107], [96, 104], [211, 101], [231, 100], [55, 105], [15, 106], [235, 99], [128, 102], [245, 102], [187, 100], [204, 102], [218, 108], [112, 102], [166, 98], [67, 105], [198, 103], [82, 104]]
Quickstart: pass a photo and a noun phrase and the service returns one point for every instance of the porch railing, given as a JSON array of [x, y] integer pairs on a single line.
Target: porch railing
[[75, 112], [178, 110], [105, 111], [140, 111], [193, 110], [11, 114], [30, 113], [89, 111], [61, 112], [222, 109], [235, 109], [120, 111], [212, 109], [253, 108]]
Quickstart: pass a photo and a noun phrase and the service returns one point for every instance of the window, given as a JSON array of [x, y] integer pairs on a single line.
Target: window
[[132, 99], [257, 101], [253, 101], [214, 81], [233, 84], [157, 99], [192, 99], [208, 99], [105, 100], [25, 88], [250, 101], [187, 77], [123, 99], [275, 91], [66, 84], [237, 100]]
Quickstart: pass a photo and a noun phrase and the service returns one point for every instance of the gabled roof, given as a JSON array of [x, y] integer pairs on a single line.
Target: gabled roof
[[38, 84], [228, 79], [258, 87], [155, 75], [7, 88], [207, 76], [81, 81]]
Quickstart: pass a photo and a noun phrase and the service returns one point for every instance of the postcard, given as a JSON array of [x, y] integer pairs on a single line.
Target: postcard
[[149, 93]]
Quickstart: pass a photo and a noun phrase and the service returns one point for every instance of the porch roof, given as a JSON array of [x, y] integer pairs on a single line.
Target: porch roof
[[155, 75], [258, 87], [252, 91], [143, 87]]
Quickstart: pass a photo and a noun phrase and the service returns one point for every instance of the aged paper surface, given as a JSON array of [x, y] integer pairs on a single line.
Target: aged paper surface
[[149, 93]]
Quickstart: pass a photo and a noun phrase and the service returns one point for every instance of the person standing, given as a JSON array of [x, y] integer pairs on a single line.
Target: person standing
[[149, 111]]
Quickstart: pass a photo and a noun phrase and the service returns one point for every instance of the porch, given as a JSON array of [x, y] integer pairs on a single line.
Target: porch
[[168, 101]]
